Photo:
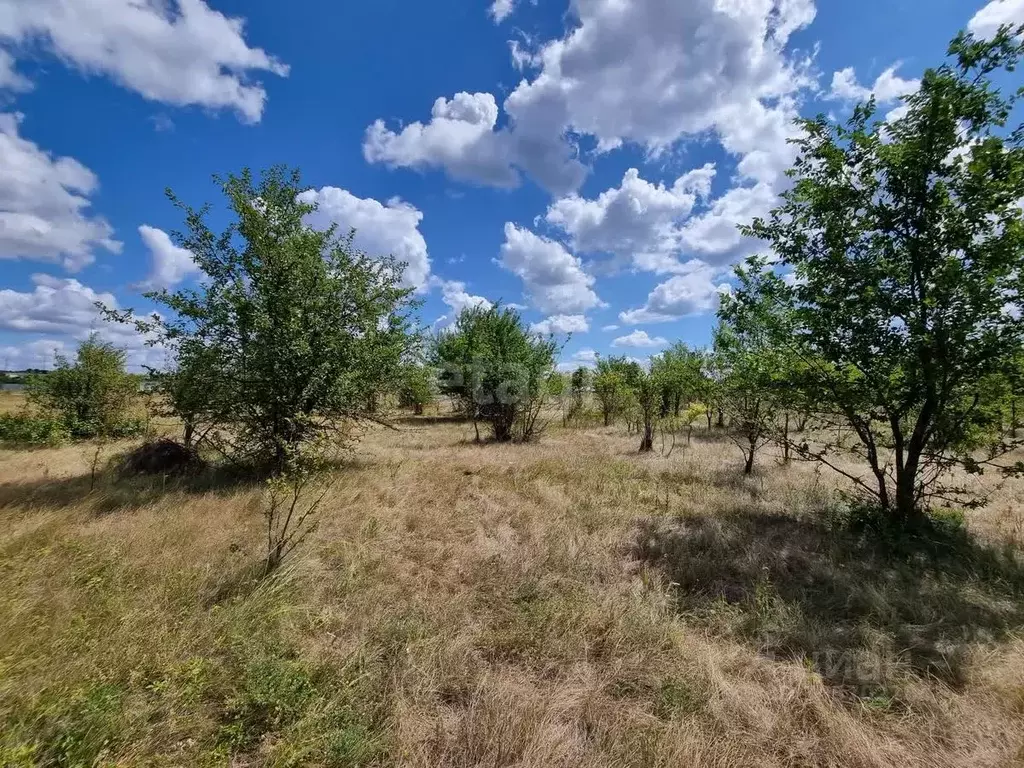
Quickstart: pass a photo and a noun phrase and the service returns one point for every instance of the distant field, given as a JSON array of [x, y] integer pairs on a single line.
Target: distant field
[[568, 603], [11, 401]]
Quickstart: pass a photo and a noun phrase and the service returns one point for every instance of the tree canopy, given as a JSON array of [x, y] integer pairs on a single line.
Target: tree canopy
[[904, 239], [292, 330]]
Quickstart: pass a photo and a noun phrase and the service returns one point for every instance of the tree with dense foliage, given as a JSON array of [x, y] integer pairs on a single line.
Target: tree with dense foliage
[[291, 328], [677, 370], [579, 384], [614, 384], [748, 388], [905, 239], [497, 369], [187, 392], [417, 387], [647, 390], [92, 395]]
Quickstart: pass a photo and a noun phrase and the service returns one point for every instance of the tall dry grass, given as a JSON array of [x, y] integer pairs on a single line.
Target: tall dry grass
[[568, 603]]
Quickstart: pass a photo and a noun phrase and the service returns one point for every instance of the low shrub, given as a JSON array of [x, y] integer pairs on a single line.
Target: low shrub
[[32, 429]]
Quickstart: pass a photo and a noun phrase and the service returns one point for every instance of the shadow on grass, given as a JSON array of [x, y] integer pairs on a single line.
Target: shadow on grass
[[428, 421], [860, 612], [108, 492]]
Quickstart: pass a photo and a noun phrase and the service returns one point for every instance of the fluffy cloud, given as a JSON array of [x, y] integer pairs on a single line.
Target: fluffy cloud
[[54, 306], [611, 327], [651, 71], [181, 53], [643, 71], [44, 203], [639, 339], [686, 294], [10, 79], [586, 358], [501, 10], [390, 229], [888, 86], [170, 264], [714, 236], [460, 138], [637, 219], [455, 295], [65, 310], [561, 324], [986, 22], [41, 353], [554, 279]]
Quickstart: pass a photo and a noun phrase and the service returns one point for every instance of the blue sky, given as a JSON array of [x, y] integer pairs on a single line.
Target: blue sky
[[588, 161]]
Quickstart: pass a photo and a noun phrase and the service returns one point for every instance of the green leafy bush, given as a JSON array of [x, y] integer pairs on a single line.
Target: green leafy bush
[[497, 369], [32, 429], [92, 396]]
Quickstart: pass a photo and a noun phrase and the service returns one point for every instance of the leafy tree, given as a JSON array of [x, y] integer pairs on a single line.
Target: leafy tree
[[497, 369], [189, 393], [418, 387], [614, 383], [905, 238], [677, 370], [578, 386], [647, 390], [748, 388], [93, 395], [292, 330], [707, 389]]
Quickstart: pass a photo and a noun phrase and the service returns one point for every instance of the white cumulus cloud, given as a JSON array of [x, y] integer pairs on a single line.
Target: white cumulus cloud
[[501, 10], [986, 22], [11, 79], [64, 310], [55, 305], [455, 295], [170, 264], [639, 339], [179, 52], [382, 229], [459, 137], [637, 220], [560, 324], [691, 293], [888, 86], [553, 279], [647, 72], [44, 204]]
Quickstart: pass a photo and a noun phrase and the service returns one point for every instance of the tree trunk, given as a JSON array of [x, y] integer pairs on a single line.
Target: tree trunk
[[708, 414], [748, 467], [907, 510], [721, 419], [647, 441], [417, 409], [785, 440]]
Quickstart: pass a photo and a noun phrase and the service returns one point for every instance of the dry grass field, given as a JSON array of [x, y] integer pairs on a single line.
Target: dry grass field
[[568, 603]]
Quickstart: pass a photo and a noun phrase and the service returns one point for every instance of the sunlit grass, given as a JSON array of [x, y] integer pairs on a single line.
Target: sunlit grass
[[567, 603]]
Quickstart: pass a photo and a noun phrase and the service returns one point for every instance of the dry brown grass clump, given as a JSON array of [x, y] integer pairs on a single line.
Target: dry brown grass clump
[[561, 604]]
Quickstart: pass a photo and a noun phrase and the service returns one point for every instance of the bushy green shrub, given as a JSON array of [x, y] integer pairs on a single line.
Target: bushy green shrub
[[32, 429], [93, 396], [496, 369]]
